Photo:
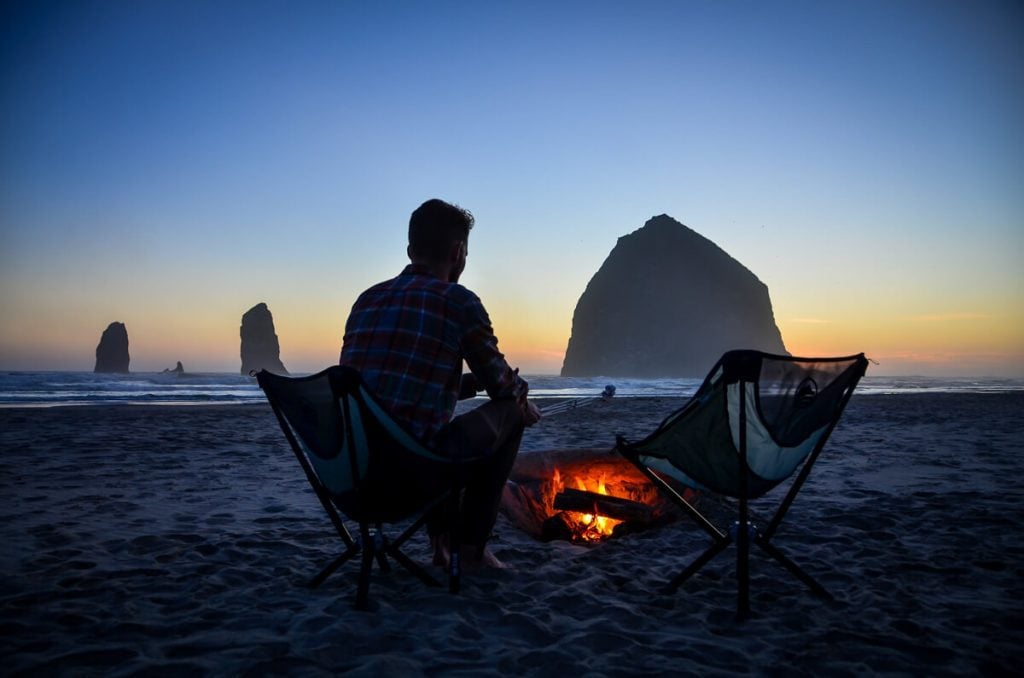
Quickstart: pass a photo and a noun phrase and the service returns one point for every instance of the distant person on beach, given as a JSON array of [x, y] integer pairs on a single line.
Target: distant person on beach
[[409, 336]]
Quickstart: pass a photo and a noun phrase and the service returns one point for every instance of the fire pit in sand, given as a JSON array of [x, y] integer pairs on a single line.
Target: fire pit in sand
[[583, 496]]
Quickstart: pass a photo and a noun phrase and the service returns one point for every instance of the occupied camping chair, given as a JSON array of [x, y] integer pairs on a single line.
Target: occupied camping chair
[[365, 465], [752, 422]]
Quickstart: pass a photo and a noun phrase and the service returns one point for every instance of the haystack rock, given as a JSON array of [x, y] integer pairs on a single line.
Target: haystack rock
[[260, 349], [667, 302], [112, 351]]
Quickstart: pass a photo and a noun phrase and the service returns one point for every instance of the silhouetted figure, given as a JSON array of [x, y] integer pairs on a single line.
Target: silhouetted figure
[[409, 336]]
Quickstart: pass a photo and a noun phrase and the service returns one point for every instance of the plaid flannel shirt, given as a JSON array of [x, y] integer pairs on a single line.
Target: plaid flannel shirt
[[408, 336]]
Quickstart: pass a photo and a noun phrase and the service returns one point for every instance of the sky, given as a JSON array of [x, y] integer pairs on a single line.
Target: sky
[[171, 164]]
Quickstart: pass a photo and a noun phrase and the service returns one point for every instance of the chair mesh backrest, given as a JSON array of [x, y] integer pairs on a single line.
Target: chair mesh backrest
[[314, 414], [787, 405], [351, 443]]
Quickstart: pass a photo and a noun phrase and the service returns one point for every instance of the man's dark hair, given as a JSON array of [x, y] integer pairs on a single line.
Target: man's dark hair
[[434, 226]]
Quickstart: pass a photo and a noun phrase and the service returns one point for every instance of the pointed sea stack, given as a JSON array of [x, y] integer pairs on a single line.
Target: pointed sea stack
[[260, 348], [179, 369], [112, 351], [667, 302]]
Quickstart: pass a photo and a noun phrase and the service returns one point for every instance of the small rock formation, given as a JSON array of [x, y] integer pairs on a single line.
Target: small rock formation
[[668, 302], [260, 349], [178, 369], [112, 351]]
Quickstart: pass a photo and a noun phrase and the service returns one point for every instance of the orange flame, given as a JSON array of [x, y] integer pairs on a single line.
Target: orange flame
[[588, 527]]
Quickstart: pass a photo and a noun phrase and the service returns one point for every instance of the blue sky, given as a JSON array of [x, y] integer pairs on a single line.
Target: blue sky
[[171, 164]]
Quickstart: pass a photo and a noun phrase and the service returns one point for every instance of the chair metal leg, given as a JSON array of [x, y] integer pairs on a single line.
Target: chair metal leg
[[743, 563], [415, 526], [795, 569], [454, 572], [454, 546], [693, 567], [374, 546], [380, 548], [334, 565], [413, 567], [743, 526], [673, 496], [394, 549], [363, 589]]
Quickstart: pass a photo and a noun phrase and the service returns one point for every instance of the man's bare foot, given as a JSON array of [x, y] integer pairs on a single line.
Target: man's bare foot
[[473, 558]]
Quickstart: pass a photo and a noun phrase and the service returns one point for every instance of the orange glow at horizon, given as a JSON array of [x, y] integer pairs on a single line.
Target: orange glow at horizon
[[968, 343], [913, 338]]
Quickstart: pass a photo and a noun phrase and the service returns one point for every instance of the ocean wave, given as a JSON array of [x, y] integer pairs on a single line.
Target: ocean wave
[[28, 389]]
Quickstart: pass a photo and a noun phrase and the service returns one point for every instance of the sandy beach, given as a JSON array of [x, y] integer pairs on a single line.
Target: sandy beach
[[176, 540]]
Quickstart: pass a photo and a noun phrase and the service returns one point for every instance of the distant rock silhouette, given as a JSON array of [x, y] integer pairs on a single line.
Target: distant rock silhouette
[[260, 349], [178, 369], [112, 351], [667, 302]]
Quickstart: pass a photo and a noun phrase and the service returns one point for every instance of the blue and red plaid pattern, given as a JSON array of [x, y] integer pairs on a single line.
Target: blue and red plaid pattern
[[408, 336]]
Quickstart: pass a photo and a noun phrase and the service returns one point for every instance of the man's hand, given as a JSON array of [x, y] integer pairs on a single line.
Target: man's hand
[[531, 415], [469, 386]]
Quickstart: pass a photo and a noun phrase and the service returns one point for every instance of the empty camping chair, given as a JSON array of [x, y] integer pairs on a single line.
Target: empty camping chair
[[363, 464], [755, 419]]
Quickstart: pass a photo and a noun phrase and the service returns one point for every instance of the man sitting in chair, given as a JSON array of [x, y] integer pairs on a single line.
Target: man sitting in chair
[[409, 336]]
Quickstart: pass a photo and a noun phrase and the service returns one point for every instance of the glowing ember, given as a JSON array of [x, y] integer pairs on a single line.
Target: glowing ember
[[586, 526]]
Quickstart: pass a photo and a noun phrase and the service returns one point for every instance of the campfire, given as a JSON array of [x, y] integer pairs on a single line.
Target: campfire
[[583, 496], [582, 511]]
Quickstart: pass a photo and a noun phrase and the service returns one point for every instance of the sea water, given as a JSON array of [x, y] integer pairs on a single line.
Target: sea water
[[41, 389]]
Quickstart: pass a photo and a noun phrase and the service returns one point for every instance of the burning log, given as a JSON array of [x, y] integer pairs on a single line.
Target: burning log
[[593, 503], [606, 495]]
